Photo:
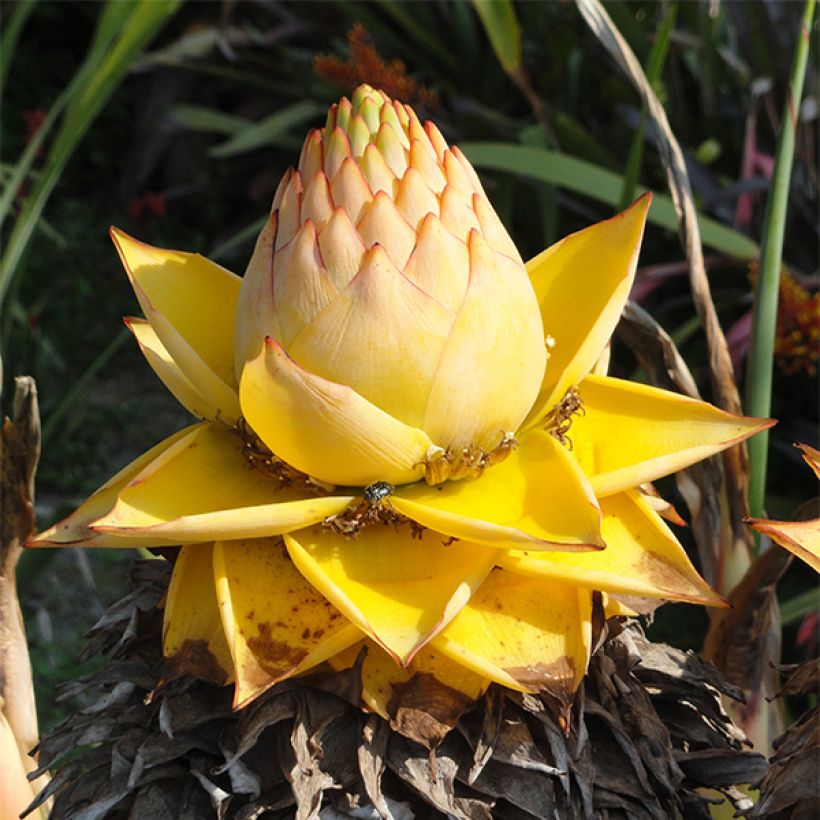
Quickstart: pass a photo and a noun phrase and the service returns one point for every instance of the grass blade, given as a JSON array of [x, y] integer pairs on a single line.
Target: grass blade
[[801, 605], [731, 539], [720, 370], [246, 234], [267, 131], [764, 321], [110, 20], [24, 165], [600, 184], [11, 34], [135, 30], [408, 18], [249, 232], [208, 120], [53, 423], [503, 31], [654, 69]]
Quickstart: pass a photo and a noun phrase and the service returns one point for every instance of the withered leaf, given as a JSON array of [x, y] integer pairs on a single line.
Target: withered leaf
[[371, 754], [644, 713], [157, 801], [425, 710], [791, 787], [433, 777], [801, 679]]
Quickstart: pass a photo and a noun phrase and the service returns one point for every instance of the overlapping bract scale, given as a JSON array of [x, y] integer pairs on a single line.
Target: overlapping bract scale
[[388, 267]]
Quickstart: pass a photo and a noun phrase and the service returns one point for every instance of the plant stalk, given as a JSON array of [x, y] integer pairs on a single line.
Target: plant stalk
[[654, 69], [764, 322]]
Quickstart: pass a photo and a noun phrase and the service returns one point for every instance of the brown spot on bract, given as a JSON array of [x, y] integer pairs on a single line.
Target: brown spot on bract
[[305, 634], [250, 615], [660, 574], [424, 709], [196, 659], [275, 656], [556, 678]]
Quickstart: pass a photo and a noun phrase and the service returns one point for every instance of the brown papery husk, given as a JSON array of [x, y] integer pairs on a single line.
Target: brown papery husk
[[791, 788], [646, 732]]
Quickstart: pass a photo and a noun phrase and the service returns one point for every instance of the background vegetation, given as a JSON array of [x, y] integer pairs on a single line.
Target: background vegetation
[[175, 122]]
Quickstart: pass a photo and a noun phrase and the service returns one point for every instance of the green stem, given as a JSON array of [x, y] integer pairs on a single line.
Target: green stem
[[761, 356], [654, 69]]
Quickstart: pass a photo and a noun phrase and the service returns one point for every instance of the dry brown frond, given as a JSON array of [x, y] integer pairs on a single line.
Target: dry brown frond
[[646, 731], [792, 786]]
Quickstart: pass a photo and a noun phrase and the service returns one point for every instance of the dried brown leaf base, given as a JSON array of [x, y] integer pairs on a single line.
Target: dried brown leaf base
[[791, 788], [646, 732]]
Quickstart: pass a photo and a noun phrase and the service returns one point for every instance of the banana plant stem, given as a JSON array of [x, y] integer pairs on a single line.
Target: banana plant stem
[[761, 357]]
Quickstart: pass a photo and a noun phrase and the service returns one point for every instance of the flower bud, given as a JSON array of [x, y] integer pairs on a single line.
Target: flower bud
[[384, 269]]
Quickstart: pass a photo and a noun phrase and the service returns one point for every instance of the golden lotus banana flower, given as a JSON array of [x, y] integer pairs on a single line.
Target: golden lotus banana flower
[[385, 269], [383, 459]]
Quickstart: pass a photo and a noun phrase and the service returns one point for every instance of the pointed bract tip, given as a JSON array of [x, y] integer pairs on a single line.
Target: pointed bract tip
[[715, 599], [762, 423], [38, 541], [119, 237]]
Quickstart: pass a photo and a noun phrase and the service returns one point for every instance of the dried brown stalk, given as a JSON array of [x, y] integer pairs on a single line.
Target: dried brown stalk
[[19, 454]]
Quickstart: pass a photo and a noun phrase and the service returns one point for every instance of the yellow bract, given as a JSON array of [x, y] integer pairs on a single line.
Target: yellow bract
[[182, 496], [630, 433], [172, 375], [195, 295], [642, 557], [327, 429], [193, 641], [582, 283], [399, 589], [537, 497], [386, 324], [75, 529], [799, 537], [525, 633], [276, 624]]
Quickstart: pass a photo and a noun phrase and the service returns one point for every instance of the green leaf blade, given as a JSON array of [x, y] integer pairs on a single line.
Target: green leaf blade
[[598, 183]]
